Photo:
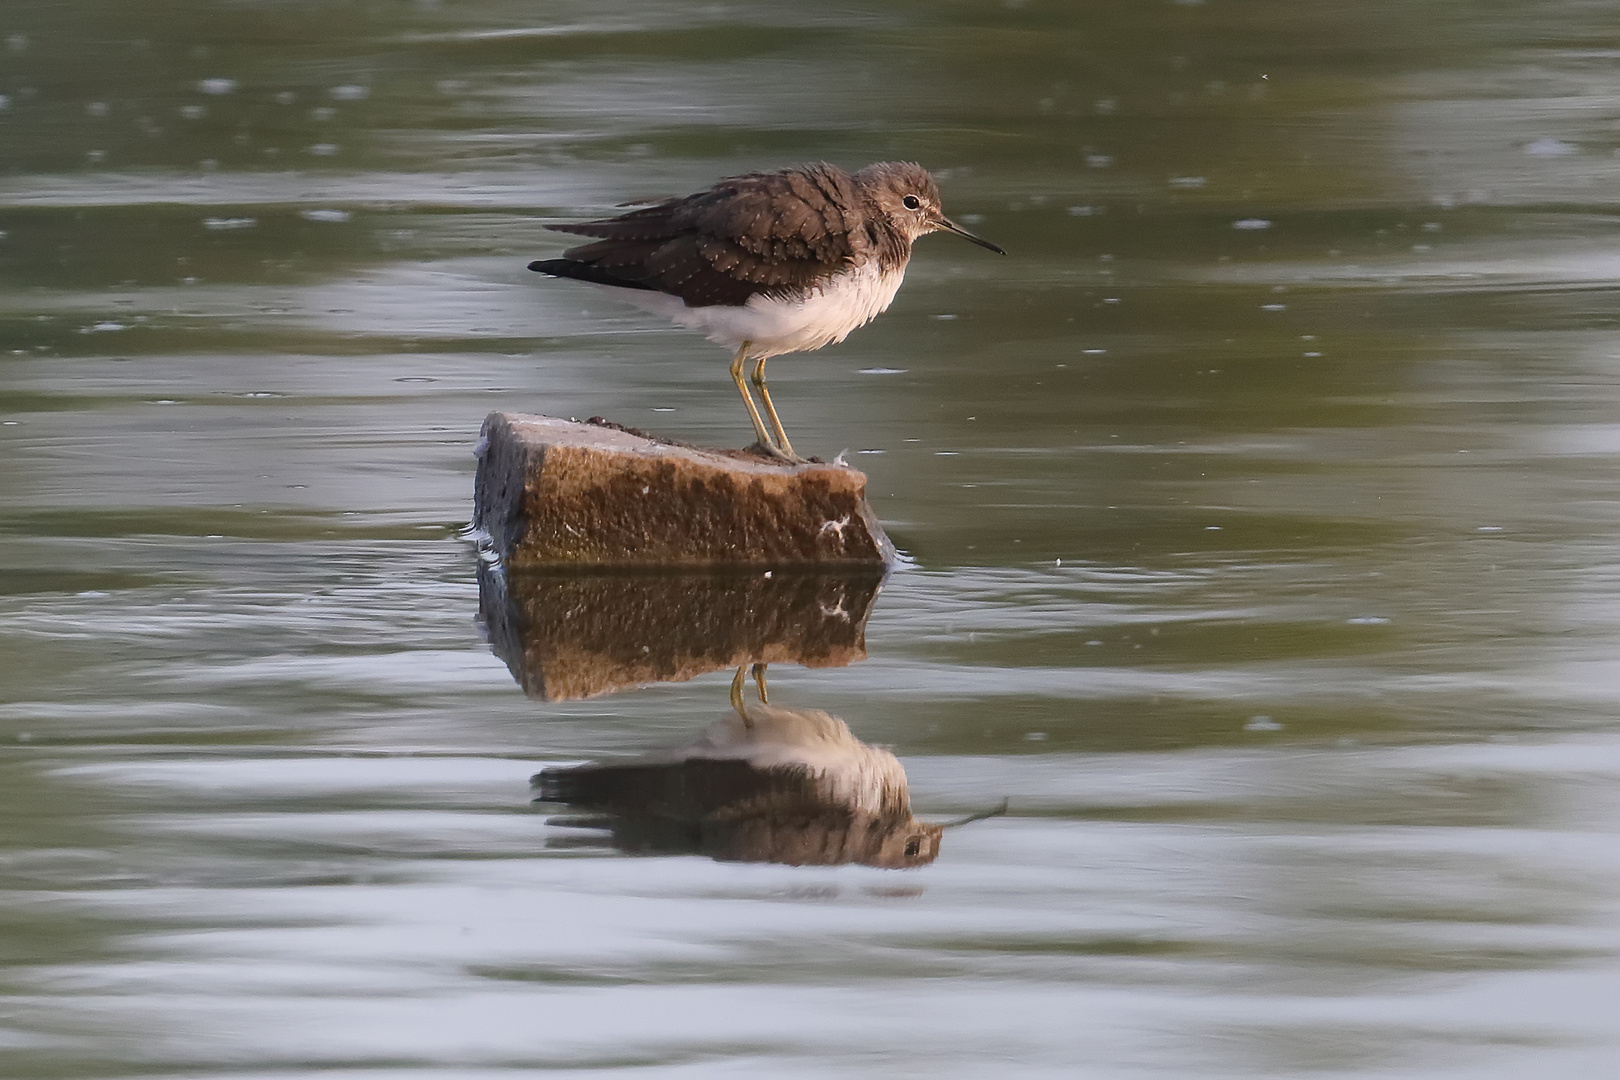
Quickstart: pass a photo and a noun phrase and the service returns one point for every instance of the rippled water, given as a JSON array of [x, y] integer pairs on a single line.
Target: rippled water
[[1261, 514]]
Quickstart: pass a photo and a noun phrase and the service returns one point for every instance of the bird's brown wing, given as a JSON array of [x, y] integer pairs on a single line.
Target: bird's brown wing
[[776, 233]]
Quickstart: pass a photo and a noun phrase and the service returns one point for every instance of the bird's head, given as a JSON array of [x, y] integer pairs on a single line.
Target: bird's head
[[908, 196]]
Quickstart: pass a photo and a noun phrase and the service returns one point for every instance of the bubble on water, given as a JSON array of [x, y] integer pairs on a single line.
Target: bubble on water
[[217, 86], [193, 112], [220, 224], [322, 149], [1368, 620], [882, 371], [1251, 224], [1099, 161], [324, 215], [1262, 723], [1188, 181], [1273, 307], [350, 93], [104, 328]]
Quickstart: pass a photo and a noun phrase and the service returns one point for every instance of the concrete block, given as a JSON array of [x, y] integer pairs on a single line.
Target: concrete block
[[557, 493]]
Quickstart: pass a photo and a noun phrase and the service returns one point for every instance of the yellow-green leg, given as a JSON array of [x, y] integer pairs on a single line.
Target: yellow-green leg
[[760, 433], [782, 444], [737, 696], [759, 681]]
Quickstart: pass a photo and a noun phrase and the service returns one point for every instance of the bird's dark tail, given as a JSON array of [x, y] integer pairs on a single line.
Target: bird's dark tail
[[584, 271]]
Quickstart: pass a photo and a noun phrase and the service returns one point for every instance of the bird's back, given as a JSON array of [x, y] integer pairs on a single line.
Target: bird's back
[[780, 235]]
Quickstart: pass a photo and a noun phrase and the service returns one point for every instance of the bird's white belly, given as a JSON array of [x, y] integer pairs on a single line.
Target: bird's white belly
[[852, 299]]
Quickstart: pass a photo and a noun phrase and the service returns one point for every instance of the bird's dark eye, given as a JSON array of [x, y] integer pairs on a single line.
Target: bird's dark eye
[[911, 202]]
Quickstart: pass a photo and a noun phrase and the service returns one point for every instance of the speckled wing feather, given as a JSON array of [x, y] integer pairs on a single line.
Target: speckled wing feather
[[777, 233], [729, 809]]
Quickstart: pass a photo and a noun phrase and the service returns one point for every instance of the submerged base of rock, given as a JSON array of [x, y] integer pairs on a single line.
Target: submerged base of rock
[[559, 493]]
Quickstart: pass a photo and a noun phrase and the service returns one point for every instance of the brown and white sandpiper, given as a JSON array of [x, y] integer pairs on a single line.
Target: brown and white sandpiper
[[767, 263]]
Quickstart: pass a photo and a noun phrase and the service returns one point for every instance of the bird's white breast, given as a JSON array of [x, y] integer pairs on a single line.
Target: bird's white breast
[[861, 777], [849, 300]]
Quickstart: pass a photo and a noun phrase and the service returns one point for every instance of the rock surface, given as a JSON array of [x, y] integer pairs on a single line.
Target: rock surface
[[558, 493]]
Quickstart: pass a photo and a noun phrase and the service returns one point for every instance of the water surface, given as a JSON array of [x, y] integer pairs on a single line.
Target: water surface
[[1260, 514]]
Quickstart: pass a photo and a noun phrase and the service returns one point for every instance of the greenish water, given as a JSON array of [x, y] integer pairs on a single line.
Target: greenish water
[[1261, 514]]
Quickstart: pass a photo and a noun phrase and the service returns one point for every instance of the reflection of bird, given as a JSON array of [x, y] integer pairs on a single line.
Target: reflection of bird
[[767, 263], [763, 784]]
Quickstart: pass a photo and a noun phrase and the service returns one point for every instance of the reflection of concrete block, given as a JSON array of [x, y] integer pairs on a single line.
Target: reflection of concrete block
[[577, 635], [555, 493]]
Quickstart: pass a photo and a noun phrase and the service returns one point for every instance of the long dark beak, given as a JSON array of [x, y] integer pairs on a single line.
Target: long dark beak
[[950, 226], [1000, 808]]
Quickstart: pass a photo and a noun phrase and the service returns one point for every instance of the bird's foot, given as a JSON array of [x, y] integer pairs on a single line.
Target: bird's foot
[[765, 449]]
